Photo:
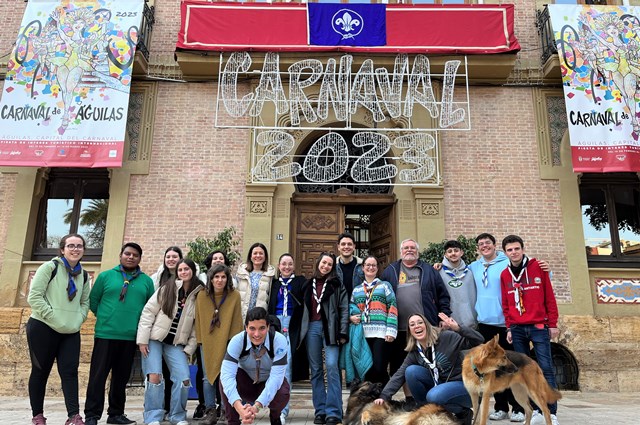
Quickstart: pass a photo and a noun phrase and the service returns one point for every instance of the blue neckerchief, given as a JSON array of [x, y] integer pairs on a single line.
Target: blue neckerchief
[[127, 278], [73, 272]]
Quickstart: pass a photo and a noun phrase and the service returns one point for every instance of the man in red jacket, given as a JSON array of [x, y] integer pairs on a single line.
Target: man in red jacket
[[530, 311]]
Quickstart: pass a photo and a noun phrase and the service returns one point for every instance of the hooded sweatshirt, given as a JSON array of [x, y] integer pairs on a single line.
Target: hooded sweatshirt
[[489, 297], [462, 290]]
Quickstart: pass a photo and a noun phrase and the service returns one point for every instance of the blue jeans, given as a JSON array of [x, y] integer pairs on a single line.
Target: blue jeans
[[452, 395], [326, 401], [154, 393], [284, 322], [208, 389], [521, 336]]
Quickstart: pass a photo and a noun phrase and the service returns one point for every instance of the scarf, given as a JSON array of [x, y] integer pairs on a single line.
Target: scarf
[[432, 365], [215, 318], [127, 278], [258, 352], [285, 293], [456, 280], [73, 272], [485, 280], [518, 293], [368, 293], [315, 294]]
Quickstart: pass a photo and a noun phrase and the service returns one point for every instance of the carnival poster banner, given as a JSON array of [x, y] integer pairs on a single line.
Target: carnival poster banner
[[66, 93], [599, 49]]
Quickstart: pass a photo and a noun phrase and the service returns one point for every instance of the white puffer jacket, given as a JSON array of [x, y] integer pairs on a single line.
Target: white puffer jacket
[[244, 287], [154, 324]]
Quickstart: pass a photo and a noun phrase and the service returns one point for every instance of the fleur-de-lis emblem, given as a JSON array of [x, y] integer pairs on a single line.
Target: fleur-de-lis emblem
[[347, 22]]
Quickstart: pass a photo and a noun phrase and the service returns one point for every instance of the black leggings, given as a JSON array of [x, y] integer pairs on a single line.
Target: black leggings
[[380, 353], [45, 346]]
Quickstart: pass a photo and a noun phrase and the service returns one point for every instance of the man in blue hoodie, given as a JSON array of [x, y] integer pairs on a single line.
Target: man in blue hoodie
[[486, 273]]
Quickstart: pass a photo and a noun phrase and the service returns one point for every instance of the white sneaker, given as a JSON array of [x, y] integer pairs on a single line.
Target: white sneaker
[[283, 419], [154, 423], [498, 415], [516, 417], [183, 423], [554, 420], [537, 418]]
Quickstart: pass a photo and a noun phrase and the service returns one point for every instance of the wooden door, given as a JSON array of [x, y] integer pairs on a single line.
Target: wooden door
[[382, 243], [316, 227]]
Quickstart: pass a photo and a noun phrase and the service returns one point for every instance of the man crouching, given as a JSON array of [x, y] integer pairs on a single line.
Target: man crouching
[[253, 372]]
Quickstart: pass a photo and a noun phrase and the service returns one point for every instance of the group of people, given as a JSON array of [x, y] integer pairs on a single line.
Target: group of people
[[405, 326]]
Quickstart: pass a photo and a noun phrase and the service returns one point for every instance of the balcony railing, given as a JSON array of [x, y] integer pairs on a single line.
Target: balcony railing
[[545, 31], [144, 38]]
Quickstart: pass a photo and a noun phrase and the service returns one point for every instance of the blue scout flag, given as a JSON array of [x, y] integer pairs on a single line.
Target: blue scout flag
[[343, 24]]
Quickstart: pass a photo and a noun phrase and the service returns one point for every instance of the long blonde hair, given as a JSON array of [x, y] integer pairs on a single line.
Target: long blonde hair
[[433, 334]]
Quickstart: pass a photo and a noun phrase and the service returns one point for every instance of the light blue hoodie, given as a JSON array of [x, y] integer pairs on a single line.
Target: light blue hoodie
[[489, 298]]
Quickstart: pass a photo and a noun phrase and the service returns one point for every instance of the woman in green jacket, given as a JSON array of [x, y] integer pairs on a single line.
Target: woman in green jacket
[[59, 300]]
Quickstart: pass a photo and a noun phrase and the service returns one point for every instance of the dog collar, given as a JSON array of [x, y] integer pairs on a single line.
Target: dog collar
[[475, 370]]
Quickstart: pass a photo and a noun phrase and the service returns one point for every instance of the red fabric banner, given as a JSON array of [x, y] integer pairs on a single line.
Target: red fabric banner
[[437, 29]]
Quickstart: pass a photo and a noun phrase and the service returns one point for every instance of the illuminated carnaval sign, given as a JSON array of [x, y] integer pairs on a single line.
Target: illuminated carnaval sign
[[325, 97]]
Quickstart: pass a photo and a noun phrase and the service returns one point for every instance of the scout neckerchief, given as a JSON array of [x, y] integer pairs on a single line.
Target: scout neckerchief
[[284, 287], [258, 352], [518, 293], [368, 293], [456, 280], [127, 278], [215, 319], [432, 365], [485, 274], [73, 272], [315, 294]]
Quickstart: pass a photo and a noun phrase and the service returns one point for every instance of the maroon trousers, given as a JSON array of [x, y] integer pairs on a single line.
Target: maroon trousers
[[249, 393]]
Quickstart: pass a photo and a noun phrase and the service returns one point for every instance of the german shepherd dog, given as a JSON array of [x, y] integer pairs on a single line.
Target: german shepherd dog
[[362, 411], [489, 369]]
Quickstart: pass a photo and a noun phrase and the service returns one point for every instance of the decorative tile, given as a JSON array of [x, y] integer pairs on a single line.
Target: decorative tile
[[618, 291]]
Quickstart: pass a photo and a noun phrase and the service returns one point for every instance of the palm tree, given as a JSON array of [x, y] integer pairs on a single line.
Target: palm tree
[[94, 217]]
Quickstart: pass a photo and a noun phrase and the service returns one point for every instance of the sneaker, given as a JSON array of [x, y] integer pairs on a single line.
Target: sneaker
[[119, 419], [154, 423], [210, 417], [75, 420], [554, 420], [332, 420], [537, 418], [183, 423], [498, 415], [283, 419], [39, 420], [320, 419], [199, 412], [516, 417], [91, 421]]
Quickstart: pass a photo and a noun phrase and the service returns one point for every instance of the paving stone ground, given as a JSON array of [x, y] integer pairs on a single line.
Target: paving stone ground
[[576, 408]]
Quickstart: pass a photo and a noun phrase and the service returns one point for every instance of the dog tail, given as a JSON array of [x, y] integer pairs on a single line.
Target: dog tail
[[552, 395]]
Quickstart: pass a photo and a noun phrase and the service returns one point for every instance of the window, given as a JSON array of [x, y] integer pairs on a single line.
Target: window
[[610, 206], [75, 201]]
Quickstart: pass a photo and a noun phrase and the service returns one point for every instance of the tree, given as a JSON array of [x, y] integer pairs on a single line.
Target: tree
[[434, 252], [225, 240], [94, 218]]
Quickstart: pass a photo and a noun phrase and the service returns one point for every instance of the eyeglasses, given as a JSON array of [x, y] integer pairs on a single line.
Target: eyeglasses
[[72, 246], [371, 266]]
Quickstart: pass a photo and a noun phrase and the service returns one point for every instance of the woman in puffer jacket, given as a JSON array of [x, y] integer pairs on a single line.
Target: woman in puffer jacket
[[166, 329]]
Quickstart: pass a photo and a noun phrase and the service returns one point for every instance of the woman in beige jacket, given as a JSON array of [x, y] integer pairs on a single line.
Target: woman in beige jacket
[[254, 279], [166, 329]]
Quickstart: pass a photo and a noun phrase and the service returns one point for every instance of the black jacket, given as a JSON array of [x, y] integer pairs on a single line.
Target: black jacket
[[299, 319], [334, 311]]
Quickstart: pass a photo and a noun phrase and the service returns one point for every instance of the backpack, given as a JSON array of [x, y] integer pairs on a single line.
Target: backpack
[[55, 272], [274, 326]]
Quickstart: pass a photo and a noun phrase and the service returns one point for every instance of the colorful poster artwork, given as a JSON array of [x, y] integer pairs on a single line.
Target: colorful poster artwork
[[599, 49], [66, 92]]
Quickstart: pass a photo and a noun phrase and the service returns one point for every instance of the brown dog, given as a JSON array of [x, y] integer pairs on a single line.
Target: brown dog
[[488, 369], [362, 411]]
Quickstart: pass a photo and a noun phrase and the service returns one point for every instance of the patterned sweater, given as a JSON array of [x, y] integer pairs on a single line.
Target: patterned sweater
[[382, 315]]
